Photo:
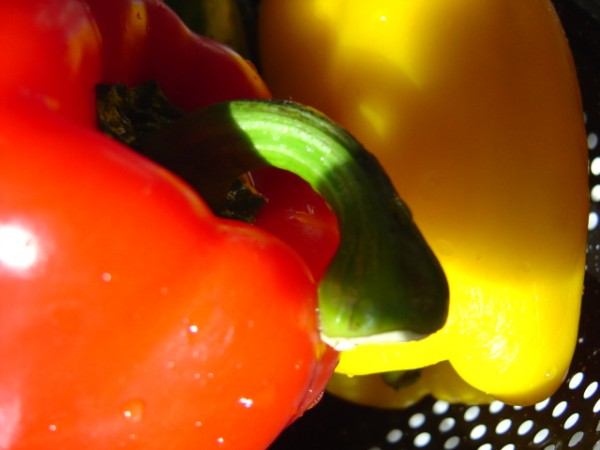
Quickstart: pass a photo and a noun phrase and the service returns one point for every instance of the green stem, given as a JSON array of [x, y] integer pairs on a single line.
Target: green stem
[[384, 283]]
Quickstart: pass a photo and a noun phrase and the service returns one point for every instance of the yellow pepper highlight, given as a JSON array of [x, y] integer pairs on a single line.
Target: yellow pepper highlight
[[473, 108]]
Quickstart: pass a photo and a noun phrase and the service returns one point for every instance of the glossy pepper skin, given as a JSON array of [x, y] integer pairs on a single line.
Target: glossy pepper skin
[[473, 108], [383, 283], [138, 339], [146, 41], [221, 20], [295, 213], [131, 316]]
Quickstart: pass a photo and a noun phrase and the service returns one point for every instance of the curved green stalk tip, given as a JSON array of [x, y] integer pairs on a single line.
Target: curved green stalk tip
[[384, 283]]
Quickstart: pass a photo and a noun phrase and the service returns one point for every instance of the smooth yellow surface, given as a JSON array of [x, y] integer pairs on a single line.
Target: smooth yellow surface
[[473, 108]]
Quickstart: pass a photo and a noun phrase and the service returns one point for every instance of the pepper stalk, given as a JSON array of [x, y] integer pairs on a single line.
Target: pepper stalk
[[384, 283]]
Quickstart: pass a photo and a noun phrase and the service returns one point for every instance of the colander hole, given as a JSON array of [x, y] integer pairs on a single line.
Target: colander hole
[[472, 413], [486, 447], [422, 440], [440, 407], [478, 432], [576, 439], [596, 407], [595, 166], [525, 427], [592, 141], [595, 193], [452, 443], [559, 409], [542, 405], [503, 426], [577, 379], [496, 406], [541, 436], [447, 424], [571, 421], [508, 447], [590, 390], [592, 221], [394, 436], [596, 446], [416, 420]]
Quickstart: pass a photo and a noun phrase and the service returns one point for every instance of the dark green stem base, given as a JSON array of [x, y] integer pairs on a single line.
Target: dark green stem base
[[384, 283]]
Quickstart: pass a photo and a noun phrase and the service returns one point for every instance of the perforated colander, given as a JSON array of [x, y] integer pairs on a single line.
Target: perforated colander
[[568, 419]]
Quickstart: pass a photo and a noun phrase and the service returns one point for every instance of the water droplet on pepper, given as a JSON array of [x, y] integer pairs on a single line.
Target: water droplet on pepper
[[133, 410]]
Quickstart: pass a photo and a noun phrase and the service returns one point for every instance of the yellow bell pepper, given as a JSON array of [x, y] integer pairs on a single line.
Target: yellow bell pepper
[[473, 108], [439, 380]]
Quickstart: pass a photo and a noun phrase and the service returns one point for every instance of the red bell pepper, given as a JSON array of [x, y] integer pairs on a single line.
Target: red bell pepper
[[131, 315], [295, 213], [61, 47]]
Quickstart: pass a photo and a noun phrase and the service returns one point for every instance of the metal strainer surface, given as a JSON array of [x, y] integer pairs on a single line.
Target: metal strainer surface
[[568, 419]]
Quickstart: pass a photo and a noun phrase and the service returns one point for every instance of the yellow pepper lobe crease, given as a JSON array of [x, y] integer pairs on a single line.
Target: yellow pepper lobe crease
[[473, 108], [440, 379]]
